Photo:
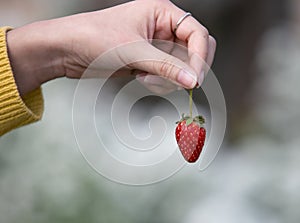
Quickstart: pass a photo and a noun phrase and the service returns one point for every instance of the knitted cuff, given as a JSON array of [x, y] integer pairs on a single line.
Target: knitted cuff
[[14, 110]]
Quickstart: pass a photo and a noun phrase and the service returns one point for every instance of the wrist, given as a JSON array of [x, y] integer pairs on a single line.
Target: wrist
[[35, 55]]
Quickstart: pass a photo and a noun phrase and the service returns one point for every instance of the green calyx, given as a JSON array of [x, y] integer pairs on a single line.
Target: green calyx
[[189, 120]]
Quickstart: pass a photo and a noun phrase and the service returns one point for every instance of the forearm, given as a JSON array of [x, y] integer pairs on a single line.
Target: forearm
[[14, 110], [35, 55]]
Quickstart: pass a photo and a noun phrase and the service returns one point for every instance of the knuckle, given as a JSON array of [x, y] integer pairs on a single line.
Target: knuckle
[[205, 32], [167, 69], [212, 41]]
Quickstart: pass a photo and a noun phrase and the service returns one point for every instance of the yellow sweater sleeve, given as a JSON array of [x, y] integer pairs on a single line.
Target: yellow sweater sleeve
[[14, 110]]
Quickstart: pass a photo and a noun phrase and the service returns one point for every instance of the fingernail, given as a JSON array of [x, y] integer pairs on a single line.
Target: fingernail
[[186, 79], [200, 79]]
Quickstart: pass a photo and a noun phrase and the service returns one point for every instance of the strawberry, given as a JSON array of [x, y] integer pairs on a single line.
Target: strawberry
[[190, 135]]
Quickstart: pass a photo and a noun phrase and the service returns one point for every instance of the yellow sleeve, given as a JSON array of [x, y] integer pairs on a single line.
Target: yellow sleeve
[[14, 110]]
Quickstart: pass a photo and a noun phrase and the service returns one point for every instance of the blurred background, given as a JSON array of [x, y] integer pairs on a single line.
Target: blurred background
[[255, 177]]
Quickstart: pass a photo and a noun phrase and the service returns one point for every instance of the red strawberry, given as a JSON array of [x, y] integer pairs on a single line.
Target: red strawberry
[[190, 137]]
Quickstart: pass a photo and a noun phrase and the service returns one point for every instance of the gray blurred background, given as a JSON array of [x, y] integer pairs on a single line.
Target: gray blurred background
[[255, 177]]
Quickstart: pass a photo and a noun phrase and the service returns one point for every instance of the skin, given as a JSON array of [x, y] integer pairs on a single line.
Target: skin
[[65, 47]]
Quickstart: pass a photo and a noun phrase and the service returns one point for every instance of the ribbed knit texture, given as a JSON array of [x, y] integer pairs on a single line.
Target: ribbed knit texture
[[14, 110]]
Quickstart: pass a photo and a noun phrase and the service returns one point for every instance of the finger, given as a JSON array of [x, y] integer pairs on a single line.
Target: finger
[[152, 60], [196, 37], [205, 66], [211, 51], [159, 81], [157, 84], [158, 90], [197, 43]]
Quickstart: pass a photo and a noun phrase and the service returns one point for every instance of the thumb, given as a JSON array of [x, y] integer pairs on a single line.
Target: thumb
[[144, 56]]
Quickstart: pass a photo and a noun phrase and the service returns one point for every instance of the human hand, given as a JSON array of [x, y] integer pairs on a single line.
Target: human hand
[[68, 45]]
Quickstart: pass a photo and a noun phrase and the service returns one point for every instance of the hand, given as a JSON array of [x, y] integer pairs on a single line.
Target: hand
[[42, 51]]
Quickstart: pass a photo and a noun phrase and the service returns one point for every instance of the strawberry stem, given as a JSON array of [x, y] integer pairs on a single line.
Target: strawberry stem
[[191, 103]]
